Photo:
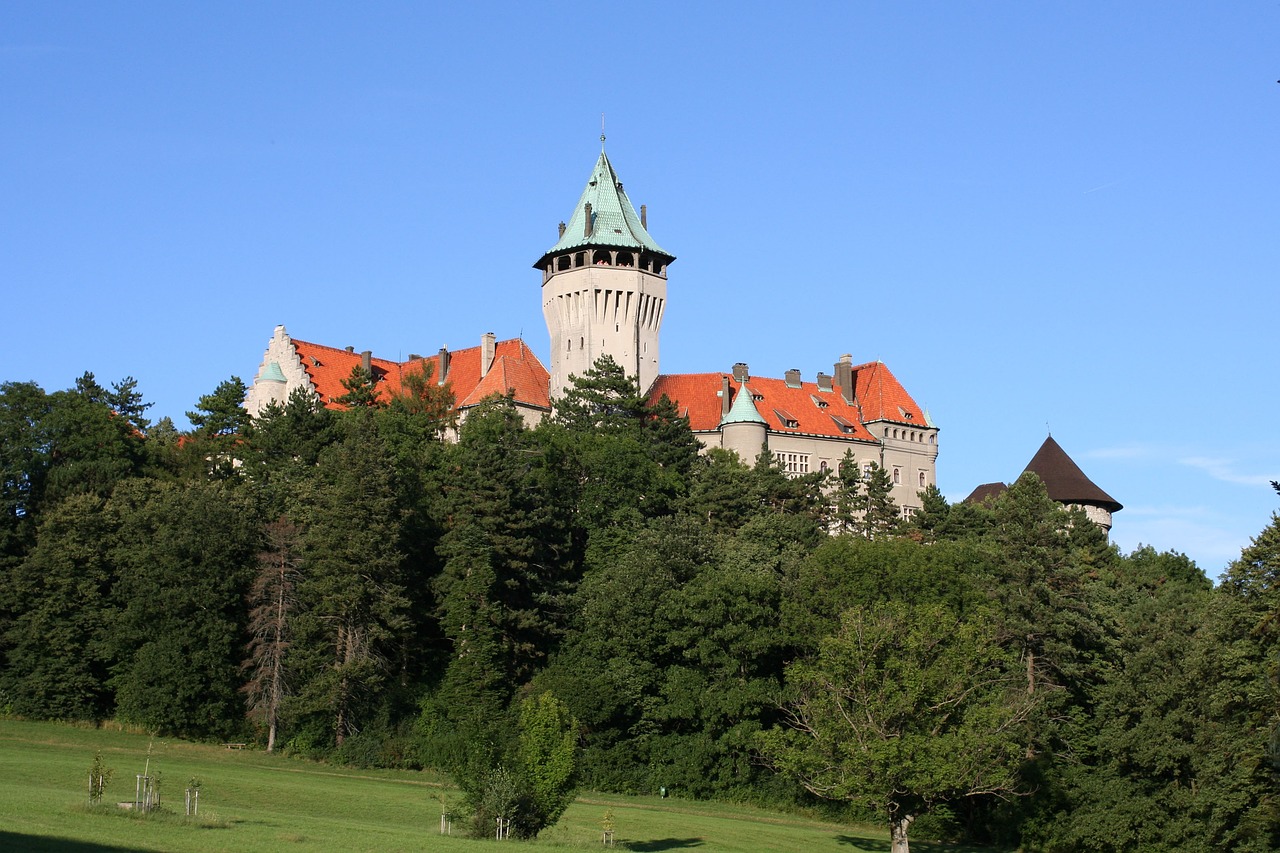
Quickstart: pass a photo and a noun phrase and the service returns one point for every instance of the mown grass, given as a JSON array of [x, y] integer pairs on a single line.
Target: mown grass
[[251, 801]]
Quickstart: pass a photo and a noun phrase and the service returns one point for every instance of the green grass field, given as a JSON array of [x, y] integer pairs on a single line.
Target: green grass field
[[251, 801]]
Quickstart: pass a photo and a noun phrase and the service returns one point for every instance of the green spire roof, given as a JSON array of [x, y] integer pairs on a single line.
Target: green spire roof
[[743, 410], [272, 373], [615, 222]]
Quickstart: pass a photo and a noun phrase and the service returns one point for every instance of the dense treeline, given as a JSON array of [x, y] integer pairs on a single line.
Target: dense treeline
[[352, 585]]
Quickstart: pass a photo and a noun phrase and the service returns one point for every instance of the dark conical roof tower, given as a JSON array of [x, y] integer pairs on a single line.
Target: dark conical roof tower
[[1065, 481]]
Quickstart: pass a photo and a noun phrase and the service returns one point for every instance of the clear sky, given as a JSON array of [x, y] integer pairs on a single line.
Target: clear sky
[[1040, 215]]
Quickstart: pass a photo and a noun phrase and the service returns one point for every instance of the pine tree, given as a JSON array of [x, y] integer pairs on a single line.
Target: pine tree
[[880, 516], [222, 426], [352, 587], [362, 390], [847, 508]]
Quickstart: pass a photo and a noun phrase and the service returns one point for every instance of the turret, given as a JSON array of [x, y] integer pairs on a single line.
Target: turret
[[743, 429], [604, 285]]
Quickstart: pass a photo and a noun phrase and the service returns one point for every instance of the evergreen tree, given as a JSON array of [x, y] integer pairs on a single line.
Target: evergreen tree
[[352, 589], [126, 401], [933, 515], [504, 516], [847, 508], [222, 428], [61, 596], [183, 556], [604, 399], [880, 516], [221, 413], [90, 447], [361, 390]]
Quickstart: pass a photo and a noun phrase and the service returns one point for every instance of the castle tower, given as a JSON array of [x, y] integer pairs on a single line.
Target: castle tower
[[745, 432], [604, 285]]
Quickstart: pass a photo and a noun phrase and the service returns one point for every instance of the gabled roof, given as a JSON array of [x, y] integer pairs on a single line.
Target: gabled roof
[[515, 368], [697, 395], [1064, 480], [614, 221]]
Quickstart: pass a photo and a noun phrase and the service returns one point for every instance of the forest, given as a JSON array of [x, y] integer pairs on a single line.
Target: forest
[[594, 603]]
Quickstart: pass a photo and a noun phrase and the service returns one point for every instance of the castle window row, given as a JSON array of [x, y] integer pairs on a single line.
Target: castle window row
[[607, 258], [910, 435], [793, 463]]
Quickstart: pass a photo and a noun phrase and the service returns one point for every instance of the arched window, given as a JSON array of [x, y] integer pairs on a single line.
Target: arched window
[[600, 258], [625, 260], [563, 262]]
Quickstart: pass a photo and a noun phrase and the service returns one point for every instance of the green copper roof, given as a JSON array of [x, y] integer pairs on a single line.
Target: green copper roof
[[272, 373], [743, 410], [615, 222]]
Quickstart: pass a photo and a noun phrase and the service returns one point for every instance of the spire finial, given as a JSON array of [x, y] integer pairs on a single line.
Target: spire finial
[[602, 133]]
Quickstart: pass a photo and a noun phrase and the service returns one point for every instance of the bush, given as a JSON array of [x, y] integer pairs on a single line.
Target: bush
[[529, 781]]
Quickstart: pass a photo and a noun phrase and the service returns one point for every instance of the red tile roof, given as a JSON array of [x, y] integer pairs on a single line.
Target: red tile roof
[[882, 396], [879, 396], [515, 368]]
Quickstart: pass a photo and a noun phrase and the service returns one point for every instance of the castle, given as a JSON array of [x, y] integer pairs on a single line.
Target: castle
[[604, 292]]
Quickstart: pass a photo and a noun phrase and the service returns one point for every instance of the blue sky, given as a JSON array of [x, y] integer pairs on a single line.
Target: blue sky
[[1040, 216]]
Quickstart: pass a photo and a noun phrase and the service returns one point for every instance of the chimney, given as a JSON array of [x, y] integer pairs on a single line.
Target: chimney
[[413, 356], [724, 397], [443, 367], [824, 381], [740, 372], [351, 349], [793, 378], [562, 227], [366, 361], [589, 225], [487, 348], [644, 218], [844, 377]]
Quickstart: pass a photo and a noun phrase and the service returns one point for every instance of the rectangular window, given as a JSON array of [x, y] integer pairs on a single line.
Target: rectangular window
[[793, 464], [897, 476]]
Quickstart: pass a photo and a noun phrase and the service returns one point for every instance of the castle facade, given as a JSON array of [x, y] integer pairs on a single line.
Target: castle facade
[[604, 292]]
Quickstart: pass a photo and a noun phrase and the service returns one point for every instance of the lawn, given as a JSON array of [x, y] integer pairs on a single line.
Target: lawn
[[251, 801]]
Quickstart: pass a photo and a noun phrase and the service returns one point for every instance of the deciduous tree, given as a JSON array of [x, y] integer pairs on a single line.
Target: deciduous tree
[[904, 709]]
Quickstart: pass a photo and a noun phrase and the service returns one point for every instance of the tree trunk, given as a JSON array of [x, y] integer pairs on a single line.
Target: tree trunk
[[898, 827]]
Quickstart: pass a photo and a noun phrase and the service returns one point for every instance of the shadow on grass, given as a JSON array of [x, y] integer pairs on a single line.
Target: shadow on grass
[[881, 845], [664, 844], [45, 844]]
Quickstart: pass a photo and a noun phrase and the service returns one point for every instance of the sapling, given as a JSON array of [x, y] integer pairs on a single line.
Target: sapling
[[99, 775]]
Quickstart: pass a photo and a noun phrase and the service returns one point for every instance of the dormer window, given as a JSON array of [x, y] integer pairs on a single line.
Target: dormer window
[[846, 426], [817, 401], [787, 419]]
